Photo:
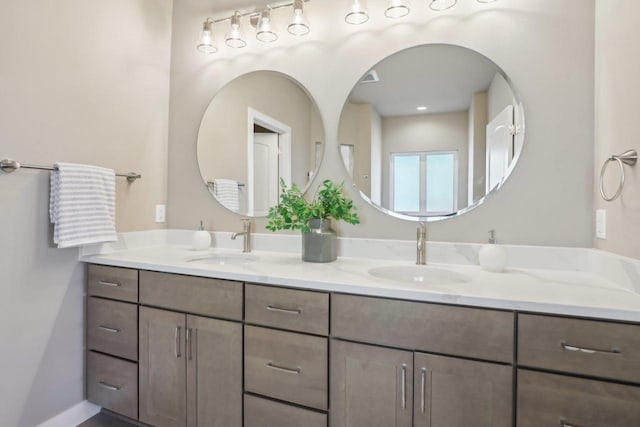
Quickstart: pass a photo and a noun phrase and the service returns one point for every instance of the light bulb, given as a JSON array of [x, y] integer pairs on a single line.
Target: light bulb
[[397, 9], [264, 31], [206, 39], [234, 37], [298, 26], [357, 13], [440, 5]]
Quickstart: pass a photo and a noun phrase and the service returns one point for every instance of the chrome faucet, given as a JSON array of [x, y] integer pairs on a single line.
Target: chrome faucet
[[246, 233], [421, 244]]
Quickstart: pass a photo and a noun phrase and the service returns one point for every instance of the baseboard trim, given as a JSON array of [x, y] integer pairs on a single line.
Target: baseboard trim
[[73, 416]]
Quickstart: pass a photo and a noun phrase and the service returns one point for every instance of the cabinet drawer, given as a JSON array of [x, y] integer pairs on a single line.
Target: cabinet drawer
[[602, 349], [113, 384], [112, 282], [112, 327], [555, 400], [198, 295], [286, 366], [267, 413], [287, 309], [470, 332]]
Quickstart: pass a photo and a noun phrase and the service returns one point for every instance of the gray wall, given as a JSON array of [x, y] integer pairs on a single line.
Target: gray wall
[[80, 81], [617, 92], [550, 67]]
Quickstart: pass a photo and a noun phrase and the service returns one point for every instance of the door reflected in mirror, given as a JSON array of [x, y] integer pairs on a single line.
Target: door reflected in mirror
[[260, 128], [429, 132]]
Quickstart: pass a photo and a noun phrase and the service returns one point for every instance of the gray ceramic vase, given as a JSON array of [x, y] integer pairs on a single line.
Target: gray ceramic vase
[[320, 243]]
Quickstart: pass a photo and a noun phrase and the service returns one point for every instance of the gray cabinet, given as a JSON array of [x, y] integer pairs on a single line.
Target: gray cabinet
[[558, 400], [370, 386], [163, 385], [190, 370], [451, 392]]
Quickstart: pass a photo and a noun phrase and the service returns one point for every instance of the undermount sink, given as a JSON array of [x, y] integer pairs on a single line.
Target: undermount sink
[[422, 274], [224, 258]]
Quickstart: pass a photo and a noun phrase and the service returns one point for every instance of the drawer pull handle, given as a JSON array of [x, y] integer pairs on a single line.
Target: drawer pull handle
[[284, 310], [568, 347], [403, 375], [108, 329], [564, 423], [284, 369], [423, 391], [189, 337], [177, 343], [113, 285], [108, 386]]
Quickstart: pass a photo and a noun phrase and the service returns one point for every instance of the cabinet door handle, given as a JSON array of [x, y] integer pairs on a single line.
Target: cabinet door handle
[[189, 337], [564, 423], [113, 285], [284, 310], [567, 347], [108, 386], [177, 341], [284, 369], [423, 380], [403, 380], [108, 329]]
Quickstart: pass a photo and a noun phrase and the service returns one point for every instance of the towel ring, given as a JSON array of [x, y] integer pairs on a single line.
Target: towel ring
[[629, 158]]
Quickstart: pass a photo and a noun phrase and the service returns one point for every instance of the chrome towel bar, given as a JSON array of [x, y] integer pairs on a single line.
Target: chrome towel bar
[[8, 166], [629, 158]]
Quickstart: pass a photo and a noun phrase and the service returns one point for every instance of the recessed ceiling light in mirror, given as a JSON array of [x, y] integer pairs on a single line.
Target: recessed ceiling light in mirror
[[444, 127]]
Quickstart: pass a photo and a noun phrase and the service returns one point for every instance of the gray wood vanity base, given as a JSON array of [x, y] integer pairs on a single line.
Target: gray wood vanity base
[[179, 351]]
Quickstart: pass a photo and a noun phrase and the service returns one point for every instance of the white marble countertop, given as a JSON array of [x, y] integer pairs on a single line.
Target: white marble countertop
[[573, 293]]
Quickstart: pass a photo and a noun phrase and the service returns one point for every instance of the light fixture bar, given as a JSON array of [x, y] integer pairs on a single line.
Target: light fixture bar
[[253, 13]]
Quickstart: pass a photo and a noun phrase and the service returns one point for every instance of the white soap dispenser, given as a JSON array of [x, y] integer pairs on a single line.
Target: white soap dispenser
[[492, 256], [201, 239]]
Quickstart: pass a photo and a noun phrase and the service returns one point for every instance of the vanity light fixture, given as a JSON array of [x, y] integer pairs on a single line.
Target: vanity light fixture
[[206, 40], [264, 30], [357, 13], [440, 5], [397, 9], [234, 37], [299, 25]]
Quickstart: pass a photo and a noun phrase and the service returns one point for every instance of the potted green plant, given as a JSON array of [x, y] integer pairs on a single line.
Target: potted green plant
[[313, 219]]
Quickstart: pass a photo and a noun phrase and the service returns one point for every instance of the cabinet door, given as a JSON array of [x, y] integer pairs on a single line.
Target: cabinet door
[[370, 386], [163, 387], [214, 373], [452, 392]]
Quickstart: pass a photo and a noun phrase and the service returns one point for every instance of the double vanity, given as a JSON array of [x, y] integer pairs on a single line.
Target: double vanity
[[259, 340]]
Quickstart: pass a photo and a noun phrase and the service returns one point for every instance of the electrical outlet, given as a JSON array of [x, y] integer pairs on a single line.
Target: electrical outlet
[[601, 224], [161, 213]]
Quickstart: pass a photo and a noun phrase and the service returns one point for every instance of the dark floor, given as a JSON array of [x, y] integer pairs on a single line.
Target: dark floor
[[104, 419]]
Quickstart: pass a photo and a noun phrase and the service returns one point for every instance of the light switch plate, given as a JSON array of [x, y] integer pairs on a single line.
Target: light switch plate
[[601, 224], [161, 213]]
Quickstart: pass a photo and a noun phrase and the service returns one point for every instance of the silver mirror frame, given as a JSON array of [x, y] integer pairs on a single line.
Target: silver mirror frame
[[480, 201], [322, 152]]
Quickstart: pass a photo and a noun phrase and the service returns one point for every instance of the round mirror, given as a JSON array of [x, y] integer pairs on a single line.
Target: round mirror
[[429, 132], [260, 128]]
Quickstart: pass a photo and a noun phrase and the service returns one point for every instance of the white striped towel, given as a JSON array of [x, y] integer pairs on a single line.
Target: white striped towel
[[226, 192], [82, 205]]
